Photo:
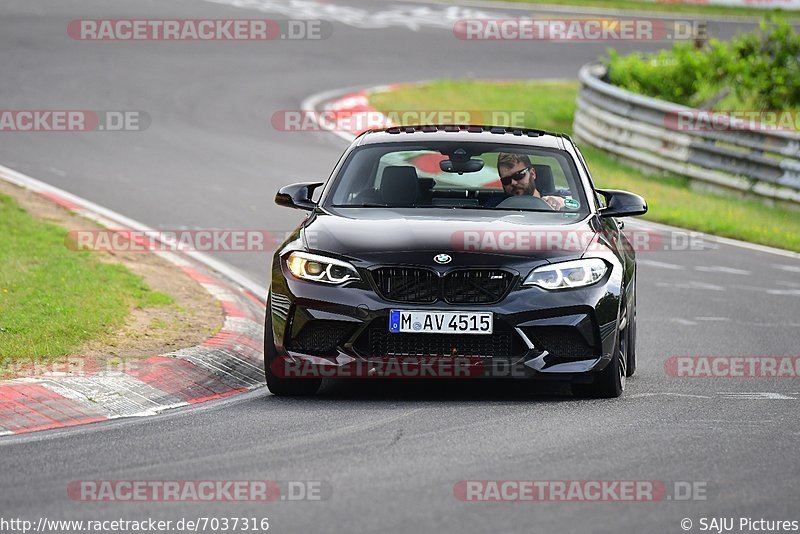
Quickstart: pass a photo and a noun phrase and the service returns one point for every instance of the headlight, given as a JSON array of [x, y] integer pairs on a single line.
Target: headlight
[[320, 268], [577, 273]]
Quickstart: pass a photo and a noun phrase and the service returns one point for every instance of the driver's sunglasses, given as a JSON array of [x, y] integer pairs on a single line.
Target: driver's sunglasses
[[519, 175]]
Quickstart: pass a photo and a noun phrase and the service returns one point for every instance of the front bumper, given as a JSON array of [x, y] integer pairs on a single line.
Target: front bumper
[[323, 330]]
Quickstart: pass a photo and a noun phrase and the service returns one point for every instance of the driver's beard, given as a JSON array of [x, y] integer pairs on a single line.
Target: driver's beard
[[528, 190]]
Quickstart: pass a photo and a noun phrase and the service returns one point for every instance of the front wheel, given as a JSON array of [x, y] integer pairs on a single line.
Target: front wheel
[[631, 346], [277, 385], [610, 382]]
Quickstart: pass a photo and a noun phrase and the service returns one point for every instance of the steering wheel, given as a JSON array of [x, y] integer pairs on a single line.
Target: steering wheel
[[524, 202]]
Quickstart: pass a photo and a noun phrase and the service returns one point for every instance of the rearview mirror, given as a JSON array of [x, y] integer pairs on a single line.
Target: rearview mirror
[[297, 195], [459, 161], [460, 167], [622, 204]]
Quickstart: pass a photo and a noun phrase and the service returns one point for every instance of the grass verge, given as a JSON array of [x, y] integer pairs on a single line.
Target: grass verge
[[550, 106], [662, 7], [52, 299]]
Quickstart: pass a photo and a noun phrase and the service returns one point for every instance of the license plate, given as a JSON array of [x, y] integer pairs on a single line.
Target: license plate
[[439, 322]]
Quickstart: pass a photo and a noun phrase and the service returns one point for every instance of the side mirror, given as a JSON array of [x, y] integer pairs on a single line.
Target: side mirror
[[297, 195], [622, 204]]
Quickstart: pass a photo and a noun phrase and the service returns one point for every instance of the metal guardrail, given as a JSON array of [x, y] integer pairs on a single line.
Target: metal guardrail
[[645, 131]]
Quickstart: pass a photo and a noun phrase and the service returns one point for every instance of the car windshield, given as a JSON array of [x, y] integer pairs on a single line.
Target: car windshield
[[458, 176]]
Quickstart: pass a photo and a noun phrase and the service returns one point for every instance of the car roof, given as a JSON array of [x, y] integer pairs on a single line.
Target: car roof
[[467, 134]]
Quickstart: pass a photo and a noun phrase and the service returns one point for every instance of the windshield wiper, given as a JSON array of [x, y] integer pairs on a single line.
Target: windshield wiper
[[536, 210], [464, 207], [376, 205], [362, 205]]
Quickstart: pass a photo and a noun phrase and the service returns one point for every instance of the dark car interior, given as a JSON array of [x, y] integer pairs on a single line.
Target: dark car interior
[[400, 185], [451, 176]]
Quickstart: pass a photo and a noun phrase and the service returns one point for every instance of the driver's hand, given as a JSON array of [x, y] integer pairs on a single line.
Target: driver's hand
[[555, 202]]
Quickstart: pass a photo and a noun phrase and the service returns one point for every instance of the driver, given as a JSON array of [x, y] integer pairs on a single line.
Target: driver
[[519, 178]]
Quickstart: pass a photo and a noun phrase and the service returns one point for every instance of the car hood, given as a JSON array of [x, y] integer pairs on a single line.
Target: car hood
[[408, 236]]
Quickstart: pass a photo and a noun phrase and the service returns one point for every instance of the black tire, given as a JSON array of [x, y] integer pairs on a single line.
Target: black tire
[[610, 382], [631, 346], [285, 387]]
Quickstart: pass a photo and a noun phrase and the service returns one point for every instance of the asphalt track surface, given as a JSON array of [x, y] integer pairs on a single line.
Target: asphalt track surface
[[391, 453]]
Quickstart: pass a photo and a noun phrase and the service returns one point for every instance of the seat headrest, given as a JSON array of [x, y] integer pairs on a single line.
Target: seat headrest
[[399, 185], [544, 180]]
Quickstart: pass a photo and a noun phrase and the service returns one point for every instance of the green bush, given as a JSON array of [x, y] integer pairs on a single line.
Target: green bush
[[753, 71]]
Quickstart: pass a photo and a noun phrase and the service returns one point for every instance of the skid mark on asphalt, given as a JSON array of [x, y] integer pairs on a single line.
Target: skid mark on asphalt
[[710, 319], [641, 395], [328, 435], [692, 285], [788, 268], [721, 269], [755, 395], [662, 265], [756, 422], [302, 442], [684, 322], [790, 292], [728, 395], [506, 416], [771, 291]]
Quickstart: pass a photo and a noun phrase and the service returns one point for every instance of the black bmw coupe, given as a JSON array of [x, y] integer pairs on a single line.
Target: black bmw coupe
[[455, 251]]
